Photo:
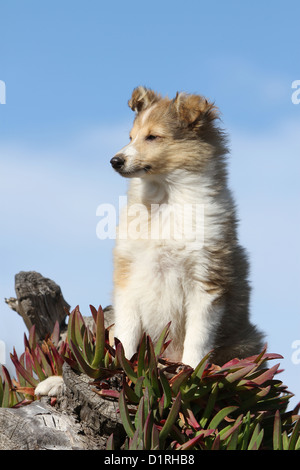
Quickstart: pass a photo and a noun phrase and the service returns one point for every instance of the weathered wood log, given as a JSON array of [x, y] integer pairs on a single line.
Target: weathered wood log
[[39, 302], [37, 427], [80, 419]]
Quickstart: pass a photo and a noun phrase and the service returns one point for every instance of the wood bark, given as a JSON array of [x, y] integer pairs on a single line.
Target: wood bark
[[80, 418], [39, 301]]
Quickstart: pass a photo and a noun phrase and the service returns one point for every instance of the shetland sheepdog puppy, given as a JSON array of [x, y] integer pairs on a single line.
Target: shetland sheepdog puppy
[[177, 258]]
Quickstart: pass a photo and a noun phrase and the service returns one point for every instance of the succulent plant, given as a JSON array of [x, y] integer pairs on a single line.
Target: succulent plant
[[90, 351], [8, 396], [238, 406], [164, 405], [38, 362]]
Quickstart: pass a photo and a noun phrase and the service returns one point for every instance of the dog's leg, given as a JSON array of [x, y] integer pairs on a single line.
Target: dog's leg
[[203, 316], [127, 323]]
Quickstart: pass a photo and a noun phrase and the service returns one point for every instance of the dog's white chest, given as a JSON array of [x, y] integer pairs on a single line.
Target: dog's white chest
[[157, 283]]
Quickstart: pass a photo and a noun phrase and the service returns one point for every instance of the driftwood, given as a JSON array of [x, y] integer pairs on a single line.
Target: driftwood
[[39, 302], [80, 418]]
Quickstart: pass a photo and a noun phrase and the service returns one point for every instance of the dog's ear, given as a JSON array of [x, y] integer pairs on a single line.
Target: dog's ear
[[142, 98], [194, 110]]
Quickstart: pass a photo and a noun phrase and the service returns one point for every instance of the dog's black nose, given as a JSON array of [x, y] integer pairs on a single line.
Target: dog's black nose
[[117, 162]]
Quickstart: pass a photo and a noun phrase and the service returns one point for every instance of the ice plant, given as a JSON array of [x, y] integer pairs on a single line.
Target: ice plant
[[9, 397], [91, 351], [238, 406], [38, 362], [164, 405]]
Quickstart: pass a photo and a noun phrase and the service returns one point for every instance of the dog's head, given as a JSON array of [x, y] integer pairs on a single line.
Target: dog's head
[[167, 134]]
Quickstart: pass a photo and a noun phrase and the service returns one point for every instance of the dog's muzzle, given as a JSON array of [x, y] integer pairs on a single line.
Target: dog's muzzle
[[117, 162]]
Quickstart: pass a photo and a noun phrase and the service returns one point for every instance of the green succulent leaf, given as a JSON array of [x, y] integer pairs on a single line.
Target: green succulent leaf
[[233, 441], [256, 438], [6, 389], [85, 367], [125, 364], [140, 417], [138, 388], [191, 443], [110, 443], [277, 433], [148, 431], [32, 342], [161, 340], [180, 380], [38, 369], [167, 391], [55, 336], [141, 365], [239, 374], [172, 416], [98, 360], [155, 438], [128, 426], [198, 371], [227, 432], [130, 393], [43, 361], [27, 376], [210, 406], [219, 417], [295, 436], [152, 363], [264, 376]]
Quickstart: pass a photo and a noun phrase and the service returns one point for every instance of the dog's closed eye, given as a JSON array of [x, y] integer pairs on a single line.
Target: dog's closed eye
[[151, 137]]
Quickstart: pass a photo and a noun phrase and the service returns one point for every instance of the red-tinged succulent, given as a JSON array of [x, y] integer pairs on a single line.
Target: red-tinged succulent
[[239, 406], [91, 352], [236, 406], [38, 362], [9, 397], [163, 405]]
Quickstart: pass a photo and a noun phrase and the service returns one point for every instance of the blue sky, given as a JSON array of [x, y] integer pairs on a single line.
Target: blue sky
[[69, 68]]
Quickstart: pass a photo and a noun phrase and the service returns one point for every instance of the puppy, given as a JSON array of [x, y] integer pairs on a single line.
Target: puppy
[[177, 258]]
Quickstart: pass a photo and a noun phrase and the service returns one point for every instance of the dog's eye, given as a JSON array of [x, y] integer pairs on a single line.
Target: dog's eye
[[130, 138], [151, 137]]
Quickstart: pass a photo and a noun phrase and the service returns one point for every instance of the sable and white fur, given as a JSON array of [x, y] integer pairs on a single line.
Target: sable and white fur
[[199, 282], [177, 158]]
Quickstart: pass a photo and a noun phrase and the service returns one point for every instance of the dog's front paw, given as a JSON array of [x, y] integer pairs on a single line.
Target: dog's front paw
[[51, 387], [192, 358]]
